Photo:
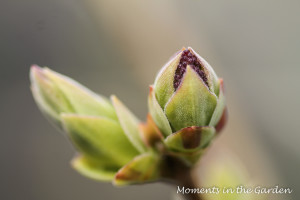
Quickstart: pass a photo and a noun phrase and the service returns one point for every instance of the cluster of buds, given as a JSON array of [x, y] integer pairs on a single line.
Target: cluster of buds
[[186, 110]]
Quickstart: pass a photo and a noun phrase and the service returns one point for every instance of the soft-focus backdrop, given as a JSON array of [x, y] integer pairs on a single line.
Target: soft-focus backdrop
[[117, 47]]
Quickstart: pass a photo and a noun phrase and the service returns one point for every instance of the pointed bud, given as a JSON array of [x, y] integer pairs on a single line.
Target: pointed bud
[[56, 94], [188, 93], [106, 134], [187, 104]]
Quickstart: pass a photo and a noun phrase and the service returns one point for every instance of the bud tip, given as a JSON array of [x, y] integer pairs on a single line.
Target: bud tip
[[188, 58]]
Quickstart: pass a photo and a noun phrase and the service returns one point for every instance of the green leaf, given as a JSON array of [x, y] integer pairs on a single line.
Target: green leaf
[[158, 114], [129, 123], [93, 169], [99, 137], [143, 168], [163, 85], [82, 100], [192, 104], [220, 106], [190, 139]]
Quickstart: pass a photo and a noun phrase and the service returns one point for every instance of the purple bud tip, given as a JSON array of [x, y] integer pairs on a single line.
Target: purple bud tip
[[187, 58], [35, 68], [37, 71]]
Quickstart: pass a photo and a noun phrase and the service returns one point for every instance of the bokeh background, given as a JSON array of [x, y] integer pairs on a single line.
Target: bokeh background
[[117, 47]]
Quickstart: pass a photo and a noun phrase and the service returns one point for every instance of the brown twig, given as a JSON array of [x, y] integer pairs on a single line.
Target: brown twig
[[177, 173]]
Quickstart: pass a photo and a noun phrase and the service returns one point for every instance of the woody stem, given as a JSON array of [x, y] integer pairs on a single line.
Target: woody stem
[[177, 173]]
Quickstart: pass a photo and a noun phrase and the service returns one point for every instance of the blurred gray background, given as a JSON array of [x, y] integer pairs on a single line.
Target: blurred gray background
[[117, 47]]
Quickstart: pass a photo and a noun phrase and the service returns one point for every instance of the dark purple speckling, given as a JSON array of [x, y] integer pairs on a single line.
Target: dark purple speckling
[[187, 58]]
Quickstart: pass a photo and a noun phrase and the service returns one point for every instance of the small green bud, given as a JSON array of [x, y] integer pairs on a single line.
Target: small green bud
[[187, 104], [106, 134], [188, 92], [55, 94]]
